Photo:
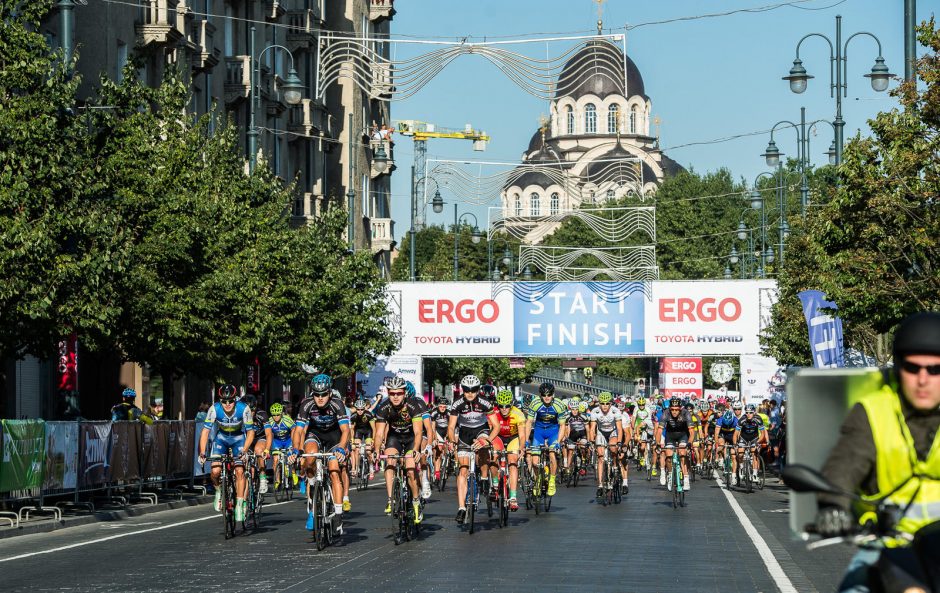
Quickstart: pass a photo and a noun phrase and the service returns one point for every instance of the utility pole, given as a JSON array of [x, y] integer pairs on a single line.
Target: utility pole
[[66, 26], [910, 42]]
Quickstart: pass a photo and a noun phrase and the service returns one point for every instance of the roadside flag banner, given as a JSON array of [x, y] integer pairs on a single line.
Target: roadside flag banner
[[825, 330]]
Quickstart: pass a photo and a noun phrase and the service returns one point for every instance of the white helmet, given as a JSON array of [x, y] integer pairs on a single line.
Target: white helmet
[[470, 382]]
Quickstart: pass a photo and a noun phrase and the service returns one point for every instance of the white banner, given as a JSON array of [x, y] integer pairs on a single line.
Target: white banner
[[681, 377], [705, 317], [407, 367], [761, 378]]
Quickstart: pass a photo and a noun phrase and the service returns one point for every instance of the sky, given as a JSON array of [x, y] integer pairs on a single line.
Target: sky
[[708, 78]]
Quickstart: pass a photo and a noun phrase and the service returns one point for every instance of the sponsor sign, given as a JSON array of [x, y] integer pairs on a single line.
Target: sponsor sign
[[61, 455], [254, 377], [407, 367], [704, 317], [761, 378], [570, 318], [516, 363], [125, 451], [94, 454], [681, 377], [23, 454]]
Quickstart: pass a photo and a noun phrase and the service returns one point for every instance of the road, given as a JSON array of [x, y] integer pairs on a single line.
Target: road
[[641, 545]]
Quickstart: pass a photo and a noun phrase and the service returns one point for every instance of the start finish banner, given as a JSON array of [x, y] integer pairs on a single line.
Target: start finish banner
[[681, 318]]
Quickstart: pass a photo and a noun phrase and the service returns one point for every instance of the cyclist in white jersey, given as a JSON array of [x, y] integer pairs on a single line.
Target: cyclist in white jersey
[[606, 429]]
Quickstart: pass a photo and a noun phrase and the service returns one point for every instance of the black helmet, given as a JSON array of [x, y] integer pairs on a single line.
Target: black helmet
[[250, 400], [675, 403], [546, 389], [918, 334]]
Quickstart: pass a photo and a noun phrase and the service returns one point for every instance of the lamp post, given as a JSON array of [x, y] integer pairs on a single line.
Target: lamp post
[[66, 26], [474, 237], [293, 93], [838, 72], [506, 260]]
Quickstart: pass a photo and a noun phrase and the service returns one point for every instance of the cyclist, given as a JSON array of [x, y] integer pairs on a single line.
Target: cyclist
[[725, 428], [399, 427], [577, 433], [277, 431], [472, 426], [643, 430], [661, 410], [323, 425], [440, 418], [235, 428], [363, 427], [488, 393], [676, 429], [750, 431], [128, 410], [260, 443], [545, 420], [425, 446], [510, 418], [606, 430]]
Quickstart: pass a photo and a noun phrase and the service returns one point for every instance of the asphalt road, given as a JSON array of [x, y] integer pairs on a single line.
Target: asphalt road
[[641, 545]]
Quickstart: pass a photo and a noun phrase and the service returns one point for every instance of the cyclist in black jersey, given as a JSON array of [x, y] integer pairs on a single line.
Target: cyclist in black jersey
[[751, 431], [473, 425], [363, 426], [260, 444], [399, 427], [678, 431], [440, 418]]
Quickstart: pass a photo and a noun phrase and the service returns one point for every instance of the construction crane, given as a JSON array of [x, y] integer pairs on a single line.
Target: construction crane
[[421, 132]]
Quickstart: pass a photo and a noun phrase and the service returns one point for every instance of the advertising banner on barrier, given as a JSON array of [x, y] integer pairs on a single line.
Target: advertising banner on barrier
[[681, 377], [125, 451], [179, 445], [761, 378], [93, 453], [153, 449], [23, 454], [407, 367], [61, 456]]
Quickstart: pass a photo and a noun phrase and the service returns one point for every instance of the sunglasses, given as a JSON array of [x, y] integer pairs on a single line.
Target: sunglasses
[[471, 390], [673, 408], [914, 368], [504, 407], [227, 401]]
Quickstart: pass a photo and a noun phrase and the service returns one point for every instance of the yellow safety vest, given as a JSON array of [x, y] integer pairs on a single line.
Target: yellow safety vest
[[906, 481]]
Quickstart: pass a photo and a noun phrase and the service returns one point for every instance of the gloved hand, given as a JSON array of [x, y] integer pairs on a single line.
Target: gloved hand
[[834, 522]]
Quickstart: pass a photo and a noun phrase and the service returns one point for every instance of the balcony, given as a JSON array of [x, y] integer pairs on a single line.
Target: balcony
[[380, 10], [387, 145], [306, 119], [274, 10], [237, 78], [383, 234], [160, 23], [206, 55], [302, 26]]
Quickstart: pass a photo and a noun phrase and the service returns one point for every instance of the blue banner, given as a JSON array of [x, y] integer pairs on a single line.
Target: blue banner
[[576, 318], [825, 331]]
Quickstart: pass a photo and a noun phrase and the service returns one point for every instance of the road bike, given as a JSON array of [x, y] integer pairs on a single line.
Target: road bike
[[502, 488], [472, 500], [253, 498], [365, 465], [727, 466], [227, 487], [610, 484], [678, 493], [447, 467], [649, 458], [708, 458], [746, 478], [538, 497], [284, 475], [320, 502], [402, 502]]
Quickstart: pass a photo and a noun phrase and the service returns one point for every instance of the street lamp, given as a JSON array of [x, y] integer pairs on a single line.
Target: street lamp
[[838, 72], [506, 259], [527, 274], [474, 235], [380, 160], [292, 88], [437, 204], [772, 154]]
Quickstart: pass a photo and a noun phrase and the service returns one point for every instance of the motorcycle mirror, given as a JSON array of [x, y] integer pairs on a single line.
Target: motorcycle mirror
[[803, 478]]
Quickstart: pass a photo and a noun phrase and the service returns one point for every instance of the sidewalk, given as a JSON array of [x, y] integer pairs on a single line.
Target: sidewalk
[[46, 523]]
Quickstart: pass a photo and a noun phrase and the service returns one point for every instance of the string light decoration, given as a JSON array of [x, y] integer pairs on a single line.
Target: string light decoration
[[356, 59], [610, 224], [613, 258], [528, 292]]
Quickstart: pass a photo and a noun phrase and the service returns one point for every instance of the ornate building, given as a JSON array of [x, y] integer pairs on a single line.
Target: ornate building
[[596, 146]]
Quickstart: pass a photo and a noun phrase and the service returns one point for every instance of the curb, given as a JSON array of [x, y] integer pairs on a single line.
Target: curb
[[48, 524]]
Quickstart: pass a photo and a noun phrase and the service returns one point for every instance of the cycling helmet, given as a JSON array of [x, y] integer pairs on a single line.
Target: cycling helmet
[[641, 402], [250, 400], [582, 407], [675, 402], [917, 334], [737, 405], [526, 399], [488, 389], [689, 406], [573, 405], [576, 399], [128, 393], [227, 392], [441, 402], [702, 405], [664, 405], [728, 416], [276, 409], [546, 389], [722, 401], [504, 398], [410, 389], [396, 383], [470, 383], [605, 397], [359, 404], [321, 384], [750, 408]]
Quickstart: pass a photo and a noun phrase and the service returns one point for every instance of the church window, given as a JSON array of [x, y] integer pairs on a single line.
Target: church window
[[633, 120], [518, 205], [613, 119], [590, 119], [569, 113], [535, 209], [553, 204]]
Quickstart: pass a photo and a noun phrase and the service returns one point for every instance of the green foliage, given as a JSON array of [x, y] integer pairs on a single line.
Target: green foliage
[[450, 370], [873, 247], [434, 256]]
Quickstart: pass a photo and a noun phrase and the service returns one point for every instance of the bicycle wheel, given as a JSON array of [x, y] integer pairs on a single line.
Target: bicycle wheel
[[727, 472], [317, 504], [616, 480], [280, 482], [445, 471], [761, 473], [407, 515], [537, 489], [748, 474], [471, 499], [397, 510], [228, 505]]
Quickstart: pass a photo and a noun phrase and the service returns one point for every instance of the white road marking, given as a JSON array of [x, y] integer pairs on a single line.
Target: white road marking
[[129, 533], [773, 567], [120, 526]]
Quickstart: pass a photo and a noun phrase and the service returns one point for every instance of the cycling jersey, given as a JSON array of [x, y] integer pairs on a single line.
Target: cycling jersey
[[362, 422], [577, 423], [239, 422], [727, 427], [126, 411], [471, 414], [400, 420], [750, 428], [680, 423], [280, 431], [545, 416], [509, 425], [322, 420], [259, 418], [607, 423], [440, 420]]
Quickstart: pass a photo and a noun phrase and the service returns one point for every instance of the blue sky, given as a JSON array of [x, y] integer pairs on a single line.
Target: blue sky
[[707, 78]]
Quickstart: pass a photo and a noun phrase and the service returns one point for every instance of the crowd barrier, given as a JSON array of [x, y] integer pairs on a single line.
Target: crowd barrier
[[79, 464]]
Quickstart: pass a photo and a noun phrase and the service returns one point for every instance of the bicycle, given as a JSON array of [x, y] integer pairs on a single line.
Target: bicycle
[[649, 459], [473, 491], [727, 466], [320, 502], [284, 475], [746, 469], [574, 469], [502, 488], [540, 475], [611, 479], [447, 466], [227, 487], [362, 479], [253, 499], [402, 506], [678, 493]]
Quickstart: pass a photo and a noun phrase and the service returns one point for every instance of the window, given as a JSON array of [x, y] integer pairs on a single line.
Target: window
[[633, 120], [299, 205], [553, 204], [590, 119], [229, 30], [610, 195], [569, 112], [535, 209], [613, 119], [518, 205], [121, 61]]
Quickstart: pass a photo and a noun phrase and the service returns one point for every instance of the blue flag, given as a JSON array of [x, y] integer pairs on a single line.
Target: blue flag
[[825, 331]]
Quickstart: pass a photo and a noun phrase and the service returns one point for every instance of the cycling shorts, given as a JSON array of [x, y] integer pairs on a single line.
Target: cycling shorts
[[401, 442], [223, 442], [282, 444], [727, 437], [545, 435], [324, 440], [466, 436], [575, 436], [743, 440], [511, 444], [363, 434], [672, 439], [603, 437]]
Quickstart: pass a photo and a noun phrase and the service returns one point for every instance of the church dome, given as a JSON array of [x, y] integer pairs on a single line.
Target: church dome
[[597, 69]]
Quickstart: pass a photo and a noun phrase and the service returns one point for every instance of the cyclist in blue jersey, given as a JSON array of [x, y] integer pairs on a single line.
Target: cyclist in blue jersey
[[235, 427], [725, 428], [278, 435], [545, 424]]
